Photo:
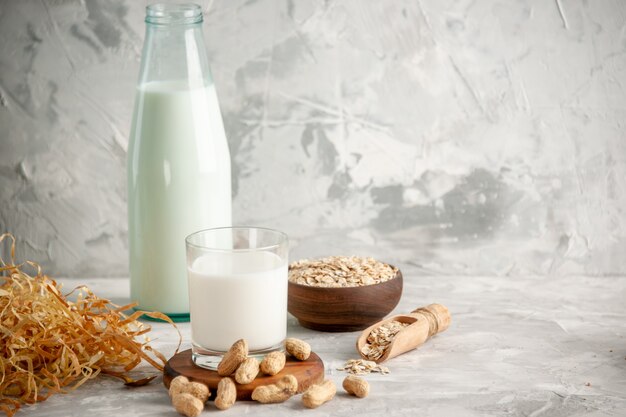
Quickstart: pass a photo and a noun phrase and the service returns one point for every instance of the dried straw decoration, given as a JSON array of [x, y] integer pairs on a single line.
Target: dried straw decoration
[[50, 344]]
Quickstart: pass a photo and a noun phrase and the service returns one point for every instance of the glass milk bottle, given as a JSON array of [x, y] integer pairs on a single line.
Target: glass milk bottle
[[178, 158]]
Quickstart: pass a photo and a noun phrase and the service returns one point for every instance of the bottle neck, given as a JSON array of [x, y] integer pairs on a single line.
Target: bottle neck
[[174, 47]]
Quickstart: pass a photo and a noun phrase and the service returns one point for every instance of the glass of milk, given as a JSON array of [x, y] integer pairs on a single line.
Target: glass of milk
[[237, 280]]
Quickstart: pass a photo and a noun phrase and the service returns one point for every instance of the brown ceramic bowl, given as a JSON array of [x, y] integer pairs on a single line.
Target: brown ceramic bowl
[[343, 309]]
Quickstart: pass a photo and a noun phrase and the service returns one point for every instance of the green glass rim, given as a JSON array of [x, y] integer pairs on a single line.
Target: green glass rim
[[173, 14]]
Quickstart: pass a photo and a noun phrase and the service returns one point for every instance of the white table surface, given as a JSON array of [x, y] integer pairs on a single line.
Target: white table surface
[[532, 346]]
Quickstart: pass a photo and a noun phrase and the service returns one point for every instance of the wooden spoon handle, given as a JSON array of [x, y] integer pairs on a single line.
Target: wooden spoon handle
[[438, 317]]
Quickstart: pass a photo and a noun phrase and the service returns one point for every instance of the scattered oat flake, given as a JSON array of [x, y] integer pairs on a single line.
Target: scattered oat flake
[[362, 367], [340, 271]]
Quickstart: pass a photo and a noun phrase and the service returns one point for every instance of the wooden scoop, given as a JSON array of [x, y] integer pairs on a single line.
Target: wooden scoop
[[424, 322]]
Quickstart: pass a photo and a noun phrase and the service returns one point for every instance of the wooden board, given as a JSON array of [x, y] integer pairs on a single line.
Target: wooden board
[[307, 373]]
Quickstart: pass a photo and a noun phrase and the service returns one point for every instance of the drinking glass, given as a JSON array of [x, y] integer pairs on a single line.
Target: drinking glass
[[237, 280]]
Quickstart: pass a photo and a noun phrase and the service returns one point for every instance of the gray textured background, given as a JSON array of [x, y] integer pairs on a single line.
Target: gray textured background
[[464, 137]]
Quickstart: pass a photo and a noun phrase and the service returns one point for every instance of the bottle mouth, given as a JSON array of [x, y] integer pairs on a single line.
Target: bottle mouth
[[173, 14]]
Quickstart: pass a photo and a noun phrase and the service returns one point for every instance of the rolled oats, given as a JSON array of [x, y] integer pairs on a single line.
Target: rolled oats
[[362, 367], [380, 338], [340, 271]]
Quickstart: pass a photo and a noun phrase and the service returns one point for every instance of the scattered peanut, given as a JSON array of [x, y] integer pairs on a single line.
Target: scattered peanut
[[237, 353], [177, 385], [247, 371], [356, 386], [279, 392], [226, 394], [181, 384], [199, 390], [297, 348], [188, 405], [273, 363], [318, 394]]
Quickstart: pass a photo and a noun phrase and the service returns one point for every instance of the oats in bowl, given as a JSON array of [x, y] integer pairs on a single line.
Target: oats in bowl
[[340, 271], [341, 293]]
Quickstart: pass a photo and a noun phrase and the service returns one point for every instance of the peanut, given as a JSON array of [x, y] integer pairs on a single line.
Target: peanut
[[279, 392], [247, 371], [273, 363], [181, 384], [177, 385], [226, 394], [356, 386], [237, 353], [318, 394], [199, 390], [188, 405], [297, 348]]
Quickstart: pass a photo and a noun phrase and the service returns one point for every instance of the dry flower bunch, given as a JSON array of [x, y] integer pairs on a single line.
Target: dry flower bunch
[[50, 344]]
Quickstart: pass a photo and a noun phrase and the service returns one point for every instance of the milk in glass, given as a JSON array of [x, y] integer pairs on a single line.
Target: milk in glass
[[238, 295]]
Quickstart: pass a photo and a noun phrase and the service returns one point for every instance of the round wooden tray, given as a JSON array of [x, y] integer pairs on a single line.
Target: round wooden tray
[[308, 372]]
